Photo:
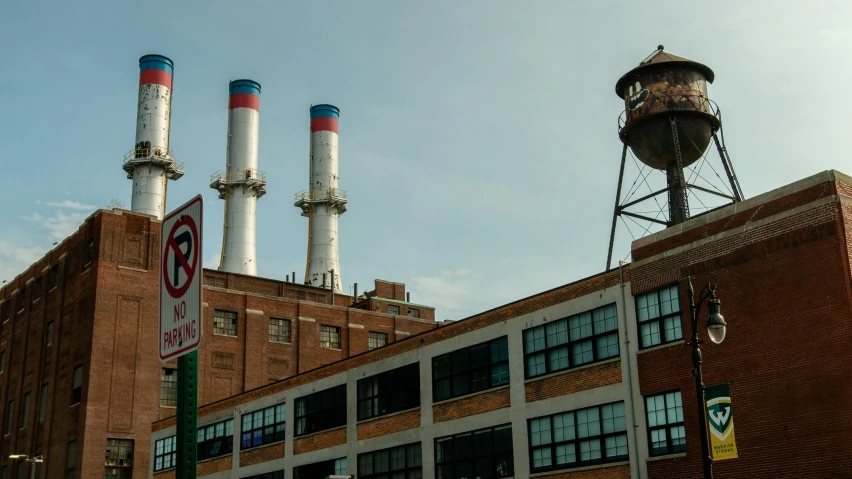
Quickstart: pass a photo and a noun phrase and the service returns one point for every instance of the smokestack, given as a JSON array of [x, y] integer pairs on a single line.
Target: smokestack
[[322, 203], [150, 164], [241, 184]]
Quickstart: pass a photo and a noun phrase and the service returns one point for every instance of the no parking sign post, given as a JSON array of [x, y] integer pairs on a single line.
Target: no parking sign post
[[181, 319]]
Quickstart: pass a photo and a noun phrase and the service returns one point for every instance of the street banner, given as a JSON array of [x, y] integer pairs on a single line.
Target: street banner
[[720, 418]]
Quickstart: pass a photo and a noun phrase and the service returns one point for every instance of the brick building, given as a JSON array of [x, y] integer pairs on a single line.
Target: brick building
[[79, 371], [588, 380]]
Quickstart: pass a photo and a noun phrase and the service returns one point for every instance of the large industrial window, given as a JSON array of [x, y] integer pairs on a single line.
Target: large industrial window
[[413, 313], [279, 330], [481, 453], [36, 289], [10, 418], [119, 459], [377, 340], [165, 452], [168, 387], [329, 337], [42, 403], [401, 462], [269, 475], [570, 342], [77, 386], [658, 314], [70, 459], [48, 340], [321, 410], [25, 412], [54, 276], [389, 392], [332, 467], [665, 423], [22, 295], [215, 440], [2, 361], [90, 251], [472, 369], [263, 427], [393, 309], [6, 309], [224, 323], [578, 438]]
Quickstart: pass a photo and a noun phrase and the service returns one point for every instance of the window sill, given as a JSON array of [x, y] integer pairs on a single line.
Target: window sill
[[214, 458], [36, 300], [580, 469], [51, 289], [385, 416], [320, 432], [168, 407], [678, 342], [288, 343], [666, 456], [225, 335], [572, 370], [331, 349], [262, 445], [477, 393], [85, 271], [140, 270]]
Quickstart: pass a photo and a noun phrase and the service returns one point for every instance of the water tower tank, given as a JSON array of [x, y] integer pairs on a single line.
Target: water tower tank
[[665, 87]]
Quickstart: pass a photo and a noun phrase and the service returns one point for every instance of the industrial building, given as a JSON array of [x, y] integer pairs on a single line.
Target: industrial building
[[79, 371], [592, 379]]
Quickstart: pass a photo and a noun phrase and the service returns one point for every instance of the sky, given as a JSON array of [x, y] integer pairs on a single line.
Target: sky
[[478, 138]]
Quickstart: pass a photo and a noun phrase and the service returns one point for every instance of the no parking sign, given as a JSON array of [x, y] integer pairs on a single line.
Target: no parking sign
[[180, 280]]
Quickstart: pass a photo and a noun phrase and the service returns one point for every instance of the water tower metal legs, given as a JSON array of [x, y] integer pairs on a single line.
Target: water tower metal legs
[[729, 167], [616, 210], [678, 206]]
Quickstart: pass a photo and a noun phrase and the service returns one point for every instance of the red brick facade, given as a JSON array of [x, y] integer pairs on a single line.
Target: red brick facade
[[389, 425], [262, 454], [321, 440], [471, 405], [570, 382]]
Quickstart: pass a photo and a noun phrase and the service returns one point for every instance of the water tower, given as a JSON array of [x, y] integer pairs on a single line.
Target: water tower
[[668, 123]]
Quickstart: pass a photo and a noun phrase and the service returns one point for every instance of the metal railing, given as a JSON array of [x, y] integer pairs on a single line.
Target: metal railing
[[148, 152], [321, 194], [673, 103], [231, 176]]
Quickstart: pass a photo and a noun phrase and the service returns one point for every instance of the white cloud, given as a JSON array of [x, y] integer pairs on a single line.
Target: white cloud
[[72, 205], [60, 225], [15, 259], [448, 292]]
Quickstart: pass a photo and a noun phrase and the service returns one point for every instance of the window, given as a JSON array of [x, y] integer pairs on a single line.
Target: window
[[321, 469], [329, 337], [224, 323], [42, 403], [471, 369], [215, 440], [5, 311], [481, 453], [413, 313], [263, 427], [36, 289], [269, 475], [393, 309], [20, 469], [389, 392], [570, 342], [77, 387], [658, 314], [21, 298], [119, 459], [279, 330], [70, 459], [377, 340], [49, 335], [25, 412], [90, 251], [10, 417], [54, 276], [402, 462], [665, 423], [168, 387], [321, 410], [577, 438], [165, 453], [2, 361]]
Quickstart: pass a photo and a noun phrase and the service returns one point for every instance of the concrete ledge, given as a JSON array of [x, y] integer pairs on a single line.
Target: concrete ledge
[[667, 456], [254, 311]]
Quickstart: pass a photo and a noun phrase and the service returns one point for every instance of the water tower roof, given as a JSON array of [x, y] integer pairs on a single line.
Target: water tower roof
[[661, 60]]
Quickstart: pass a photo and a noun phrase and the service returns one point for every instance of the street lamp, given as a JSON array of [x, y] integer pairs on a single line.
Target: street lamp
[[31, 460], [716, 329]]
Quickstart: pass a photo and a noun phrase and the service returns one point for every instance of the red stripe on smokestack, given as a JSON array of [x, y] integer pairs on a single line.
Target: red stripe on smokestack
[[323, 123], [244, 100]]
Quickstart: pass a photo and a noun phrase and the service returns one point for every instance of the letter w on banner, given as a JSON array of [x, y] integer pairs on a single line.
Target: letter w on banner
[[720, 419]]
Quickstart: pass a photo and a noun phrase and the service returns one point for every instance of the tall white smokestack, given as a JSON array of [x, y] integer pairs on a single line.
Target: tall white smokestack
[[323, 202], [150, 164], [241, 184]]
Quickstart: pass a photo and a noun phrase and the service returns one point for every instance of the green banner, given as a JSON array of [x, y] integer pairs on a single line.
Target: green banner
[[720, 422]]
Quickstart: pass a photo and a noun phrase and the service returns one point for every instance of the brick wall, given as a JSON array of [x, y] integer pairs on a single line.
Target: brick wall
[[574, 381], [262, 454], [320, 440], [212, 466], [785, 294], [470, 405], [389, 425], [614, 472]]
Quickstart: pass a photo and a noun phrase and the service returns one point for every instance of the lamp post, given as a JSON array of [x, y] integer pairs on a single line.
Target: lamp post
[[716, 328]]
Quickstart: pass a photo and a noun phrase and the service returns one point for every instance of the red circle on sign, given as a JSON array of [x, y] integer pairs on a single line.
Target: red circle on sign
[[171, 244]]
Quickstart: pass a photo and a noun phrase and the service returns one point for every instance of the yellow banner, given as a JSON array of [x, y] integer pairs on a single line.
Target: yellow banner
[[720, 422]]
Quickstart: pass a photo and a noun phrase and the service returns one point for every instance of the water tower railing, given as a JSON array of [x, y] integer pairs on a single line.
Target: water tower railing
[[699, 103]]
